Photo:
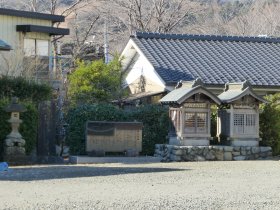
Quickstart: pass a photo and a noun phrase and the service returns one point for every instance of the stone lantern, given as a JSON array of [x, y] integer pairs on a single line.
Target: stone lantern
[[14, 150], [190, 113]]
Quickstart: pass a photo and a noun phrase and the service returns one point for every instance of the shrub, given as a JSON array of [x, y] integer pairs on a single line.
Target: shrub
[[96, 82], [28, 128], [154, 118], [5, 127], [23, 89], [270, 123], [155, 126]]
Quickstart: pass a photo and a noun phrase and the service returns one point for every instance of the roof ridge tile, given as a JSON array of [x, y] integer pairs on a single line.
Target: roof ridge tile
[[202, 37]]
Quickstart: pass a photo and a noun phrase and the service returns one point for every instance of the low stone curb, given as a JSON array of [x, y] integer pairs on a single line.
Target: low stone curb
[[128, 160]]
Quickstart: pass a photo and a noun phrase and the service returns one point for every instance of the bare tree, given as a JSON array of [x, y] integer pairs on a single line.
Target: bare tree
[[32, 67], [152, 15], [249, 18], [82, 26], [86, 18]]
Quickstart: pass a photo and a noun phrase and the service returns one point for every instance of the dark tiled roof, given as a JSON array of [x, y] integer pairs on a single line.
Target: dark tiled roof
[[232, 95], [33, 15], [235, 91], [181, 94], [215, 59]]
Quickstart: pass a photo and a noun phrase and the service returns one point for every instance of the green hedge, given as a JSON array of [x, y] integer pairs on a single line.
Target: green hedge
[[155, 126], [28, 128], [5, 127], [270, 123], [155, 121], [23, 89]]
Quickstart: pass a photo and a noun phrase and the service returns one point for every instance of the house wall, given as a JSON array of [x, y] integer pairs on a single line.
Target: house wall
[[144, 68], [12, 63], [9, 34], [150, 86]]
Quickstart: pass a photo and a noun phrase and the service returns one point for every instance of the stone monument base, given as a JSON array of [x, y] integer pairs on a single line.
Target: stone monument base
[[17, 160], [15, 155]]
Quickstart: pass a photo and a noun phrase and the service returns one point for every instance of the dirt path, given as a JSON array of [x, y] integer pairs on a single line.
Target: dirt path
[[189, 185]]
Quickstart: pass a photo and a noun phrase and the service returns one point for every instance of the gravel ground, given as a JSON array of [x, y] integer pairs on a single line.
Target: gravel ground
[[185, 185]]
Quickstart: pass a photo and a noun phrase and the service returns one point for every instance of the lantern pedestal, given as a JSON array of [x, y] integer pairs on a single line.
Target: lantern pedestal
[[14, 151]]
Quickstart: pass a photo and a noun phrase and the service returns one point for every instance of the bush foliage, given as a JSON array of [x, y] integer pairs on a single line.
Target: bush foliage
[[23, 89], [155, 126], [154, 118], [270, 123], [96, 82]]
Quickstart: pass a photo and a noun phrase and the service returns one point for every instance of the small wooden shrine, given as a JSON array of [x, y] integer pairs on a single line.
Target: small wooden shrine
[[238, 117], [190, 113]]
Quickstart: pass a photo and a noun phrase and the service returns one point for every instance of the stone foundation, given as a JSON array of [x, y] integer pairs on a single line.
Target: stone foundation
[[207, 153], [14, 151]]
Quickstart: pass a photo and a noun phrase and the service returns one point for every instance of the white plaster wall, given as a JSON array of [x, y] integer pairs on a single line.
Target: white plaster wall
[[143, 67]]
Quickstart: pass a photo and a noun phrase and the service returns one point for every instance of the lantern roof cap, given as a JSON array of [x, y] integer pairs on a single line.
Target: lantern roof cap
[[14, 106]]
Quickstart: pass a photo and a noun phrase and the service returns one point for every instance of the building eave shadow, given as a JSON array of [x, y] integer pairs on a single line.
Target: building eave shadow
[[34, 173]]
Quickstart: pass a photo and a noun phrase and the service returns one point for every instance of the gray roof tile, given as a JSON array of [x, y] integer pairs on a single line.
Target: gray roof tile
[[179, 95], [232, 95], [214, 59]]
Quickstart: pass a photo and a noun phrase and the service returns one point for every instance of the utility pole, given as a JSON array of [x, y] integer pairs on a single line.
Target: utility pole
[[106, 54]]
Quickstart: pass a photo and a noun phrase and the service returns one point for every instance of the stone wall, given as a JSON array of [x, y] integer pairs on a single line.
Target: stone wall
[[208, 153]]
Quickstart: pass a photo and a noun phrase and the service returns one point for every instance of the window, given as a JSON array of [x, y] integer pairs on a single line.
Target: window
[[238, 122], [33, 47], [201, 122], [190, 120], [250, 120], [42, 47], [244, 123], [29, 47], [196, 122]]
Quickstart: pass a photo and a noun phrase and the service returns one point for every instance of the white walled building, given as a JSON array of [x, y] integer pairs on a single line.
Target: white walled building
[[155, 62]]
